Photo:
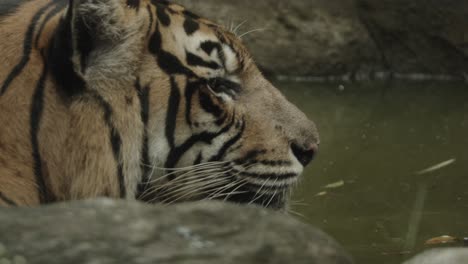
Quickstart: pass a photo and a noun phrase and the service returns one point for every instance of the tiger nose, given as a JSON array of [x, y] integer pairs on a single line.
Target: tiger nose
[[304, 152]]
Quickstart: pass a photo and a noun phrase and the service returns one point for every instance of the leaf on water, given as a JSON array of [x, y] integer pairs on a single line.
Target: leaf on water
[[334, 185], [436, 167], [321, 194], [441, 240]]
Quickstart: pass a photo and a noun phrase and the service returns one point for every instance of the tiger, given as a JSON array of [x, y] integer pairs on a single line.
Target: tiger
[[139, 100]]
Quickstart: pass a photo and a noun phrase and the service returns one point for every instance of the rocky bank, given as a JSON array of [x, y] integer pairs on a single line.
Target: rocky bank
[[109, 231], [354, 37]]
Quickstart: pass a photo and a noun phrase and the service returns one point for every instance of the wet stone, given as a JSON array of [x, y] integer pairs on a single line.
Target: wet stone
[[90, 232]]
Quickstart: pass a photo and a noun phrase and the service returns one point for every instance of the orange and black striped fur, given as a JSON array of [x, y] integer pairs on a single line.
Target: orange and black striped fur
[[138, 99]]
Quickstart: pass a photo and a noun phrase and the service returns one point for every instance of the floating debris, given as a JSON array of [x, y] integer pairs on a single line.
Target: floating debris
[[436, 167], [442, 240], [334, 185], [321, 193]]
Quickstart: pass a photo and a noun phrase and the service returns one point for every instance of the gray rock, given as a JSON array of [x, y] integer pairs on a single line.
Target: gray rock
[[108, 231], [353, 37], [299, 37], [427, 36], [439, 256]]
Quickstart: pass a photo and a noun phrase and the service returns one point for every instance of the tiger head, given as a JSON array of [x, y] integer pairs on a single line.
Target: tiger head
[[215, 128]]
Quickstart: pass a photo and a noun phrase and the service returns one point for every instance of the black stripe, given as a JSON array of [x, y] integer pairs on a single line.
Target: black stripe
[[208, 46], [221, 120], [166, 61], [60, 55], [37, 107], [250, 156], [162, 16], [172, 110], [151, 20], [206, 137], [273, 163], [190, 26], [161, 2], [195, 60], [273, 176], [190, 89], [135, 4], [222, 151], [85, 39], [257, 186], [221, 85], [27, 48], [143, 96], [191, 15], [59, 7], [206, 102], [115, 140], [199, 159], [7, 200]]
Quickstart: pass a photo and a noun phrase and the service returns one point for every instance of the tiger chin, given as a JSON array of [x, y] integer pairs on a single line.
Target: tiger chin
[[139, 99]]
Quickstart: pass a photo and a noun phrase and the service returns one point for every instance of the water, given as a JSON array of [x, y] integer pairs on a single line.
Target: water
[[375, 137]]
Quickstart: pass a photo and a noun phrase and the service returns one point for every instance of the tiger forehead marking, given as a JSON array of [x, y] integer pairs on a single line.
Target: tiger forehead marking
[[140, 99], [193, 39]]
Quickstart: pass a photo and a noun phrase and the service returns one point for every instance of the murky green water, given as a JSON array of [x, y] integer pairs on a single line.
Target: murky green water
[[375, 137]]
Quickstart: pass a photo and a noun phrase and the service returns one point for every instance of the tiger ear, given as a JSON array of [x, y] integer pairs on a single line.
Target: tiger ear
[[104, 34]]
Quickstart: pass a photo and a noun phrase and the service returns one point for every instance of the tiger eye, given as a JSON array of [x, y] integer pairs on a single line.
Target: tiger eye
[[220, 85]]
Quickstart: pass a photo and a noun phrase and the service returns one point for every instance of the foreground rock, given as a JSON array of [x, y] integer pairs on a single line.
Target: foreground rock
[[107, 231], [438, 256], [321, 37]]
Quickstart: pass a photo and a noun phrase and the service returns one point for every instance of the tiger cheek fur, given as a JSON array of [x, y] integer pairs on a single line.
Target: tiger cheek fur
[[140, 99]]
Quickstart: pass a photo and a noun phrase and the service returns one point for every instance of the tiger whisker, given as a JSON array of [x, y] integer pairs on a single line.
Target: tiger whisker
[[224, 188], [195, 179], [185, 180], [198, 168], [194, 188], [150, 174], [201, 176], [189, 184], [237, 181], [198, 171], [289, 211], [231, 25], [234, 30], [271, 199], [195, 173], [235, 190], [251, 31], [227, 193], [298, 203], [204, 187], [255, 198], [187, 167], [181, 176], [218, 191], [165, 176]]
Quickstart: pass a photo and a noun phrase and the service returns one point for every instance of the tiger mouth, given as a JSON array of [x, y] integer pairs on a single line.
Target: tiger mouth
[[266, 190]]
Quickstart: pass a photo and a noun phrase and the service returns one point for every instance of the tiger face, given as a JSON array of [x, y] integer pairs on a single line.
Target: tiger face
[[161, 105], [231, 131]]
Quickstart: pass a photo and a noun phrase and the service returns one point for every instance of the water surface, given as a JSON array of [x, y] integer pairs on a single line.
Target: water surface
[[375, 137]]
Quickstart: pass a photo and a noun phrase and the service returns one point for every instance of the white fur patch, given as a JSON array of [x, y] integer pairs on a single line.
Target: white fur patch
[[230, 59]]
